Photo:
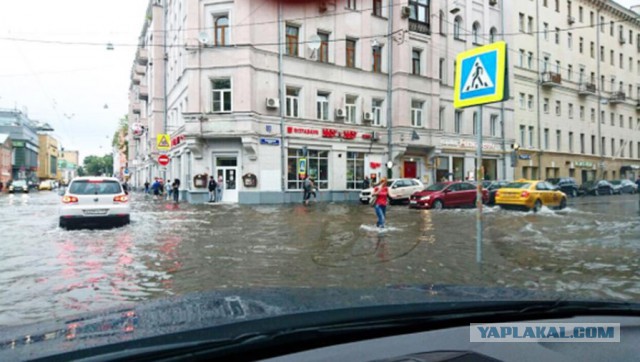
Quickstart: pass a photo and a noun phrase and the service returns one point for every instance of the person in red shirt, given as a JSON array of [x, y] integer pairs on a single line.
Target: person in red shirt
[[381, 193]]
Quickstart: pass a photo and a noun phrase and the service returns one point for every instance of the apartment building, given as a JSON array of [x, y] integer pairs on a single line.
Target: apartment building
[[48, 157], [576, 87], [260, 93], [24, 137]]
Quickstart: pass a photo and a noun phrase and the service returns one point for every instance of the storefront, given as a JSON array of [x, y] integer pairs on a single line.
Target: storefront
[[456, 160]]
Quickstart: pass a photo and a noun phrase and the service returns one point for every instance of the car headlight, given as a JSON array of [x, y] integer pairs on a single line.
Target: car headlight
[[425, 198]]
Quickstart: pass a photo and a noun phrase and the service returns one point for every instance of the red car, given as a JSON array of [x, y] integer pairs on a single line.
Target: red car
[[447, 194]]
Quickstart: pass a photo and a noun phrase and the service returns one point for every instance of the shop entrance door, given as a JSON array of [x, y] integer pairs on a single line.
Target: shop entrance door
[[410, 169], [227, 168]]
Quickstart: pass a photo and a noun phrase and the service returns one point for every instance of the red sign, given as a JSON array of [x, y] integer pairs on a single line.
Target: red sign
[[330, 133], [303, 131], [349, 135], [366, 136], [177, 140], [375, 165], [163, 160]]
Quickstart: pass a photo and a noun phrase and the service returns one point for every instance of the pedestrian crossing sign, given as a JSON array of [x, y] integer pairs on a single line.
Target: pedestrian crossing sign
[[481, 76], [163, 142]]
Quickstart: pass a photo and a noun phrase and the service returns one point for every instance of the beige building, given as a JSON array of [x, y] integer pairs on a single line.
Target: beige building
[[258, 95], [48, 157], [68, 165], [576, 88]]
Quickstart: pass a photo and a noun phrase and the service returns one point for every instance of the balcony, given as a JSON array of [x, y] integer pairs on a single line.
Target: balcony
[[142, 56], [136, 78], [551, 79], [140, 69], [143, 92], [135, 107], [617, 97], [419, 27], [586, 89]]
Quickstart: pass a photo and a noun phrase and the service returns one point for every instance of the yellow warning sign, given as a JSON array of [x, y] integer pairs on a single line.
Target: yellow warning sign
[[163, 142]]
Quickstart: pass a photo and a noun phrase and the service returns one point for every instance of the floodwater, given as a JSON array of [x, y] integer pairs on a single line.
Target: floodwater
[[589, 250]]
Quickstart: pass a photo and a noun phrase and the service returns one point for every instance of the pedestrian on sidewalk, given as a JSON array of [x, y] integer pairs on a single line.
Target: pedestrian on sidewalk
[[381, 193], [366, 183], [219, 189], [176, 190], [213, 185], [306, 188], [146, 187], [156, 187], [314, 188]]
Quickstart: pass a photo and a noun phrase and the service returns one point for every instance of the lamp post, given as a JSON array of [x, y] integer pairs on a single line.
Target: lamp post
[[389, 169]]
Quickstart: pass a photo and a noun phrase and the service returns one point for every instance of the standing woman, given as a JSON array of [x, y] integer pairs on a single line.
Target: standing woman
[[219, 189], [381, 193]]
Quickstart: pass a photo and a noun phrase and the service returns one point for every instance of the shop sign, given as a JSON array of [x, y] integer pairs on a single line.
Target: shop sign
[[334, 133], [18, 143], [462, 143], [270, 141], [366, 136], [250, 180], [374, 165], [303, 131], [583, 164], [177, 140], [524, 156], [349, 135]]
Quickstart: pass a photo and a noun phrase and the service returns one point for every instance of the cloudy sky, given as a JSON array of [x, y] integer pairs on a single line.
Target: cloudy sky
[[81, 90]]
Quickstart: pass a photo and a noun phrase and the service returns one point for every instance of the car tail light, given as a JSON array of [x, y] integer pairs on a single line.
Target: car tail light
[[497, 193], [121, 198], [524, 194], [69, 199]]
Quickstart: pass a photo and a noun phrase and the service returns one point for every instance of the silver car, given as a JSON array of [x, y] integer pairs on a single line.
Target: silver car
[[399, 190], [94, 201]]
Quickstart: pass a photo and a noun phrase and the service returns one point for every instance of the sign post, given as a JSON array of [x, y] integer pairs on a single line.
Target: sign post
[[481, 78]]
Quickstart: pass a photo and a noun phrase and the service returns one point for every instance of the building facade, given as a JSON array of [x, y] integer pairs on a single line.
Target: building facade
[[48, 157], [576, 88], [260, 94], [68, 165], [23, 133], [6, 149]]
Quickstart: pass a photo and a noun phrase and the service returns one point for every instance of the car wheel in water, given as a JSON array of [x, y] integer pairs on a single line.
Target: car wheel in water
[[563, 203], [438, 205], [537, 206]]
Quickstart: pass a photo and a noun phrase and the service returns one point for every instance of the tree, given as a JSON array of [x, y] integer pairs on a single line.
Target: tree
[[98, 166], [119, 140], [81, 171]]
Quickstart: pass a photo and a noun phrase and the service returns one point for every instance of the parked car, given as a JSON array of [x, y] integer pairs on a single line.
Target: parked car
[[46, 185], [399, 190], [596, 187], [624, 187], [447, 194], [493, 189], [568, 185], [530, 195], [19, 186], [94, 200]]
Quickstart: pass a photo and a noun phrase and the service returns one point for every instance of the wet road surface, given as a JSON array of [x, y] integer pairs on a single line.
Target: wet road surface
[[589, 250]]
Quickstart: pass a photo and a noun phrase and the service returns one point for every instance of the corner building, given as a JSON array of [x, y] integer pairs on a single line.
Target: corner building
[[252, 88]]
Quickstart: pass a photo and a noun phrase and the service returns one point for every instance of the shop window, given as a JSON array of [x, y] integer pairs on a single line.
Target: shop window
[[317, 168], [355, 170]]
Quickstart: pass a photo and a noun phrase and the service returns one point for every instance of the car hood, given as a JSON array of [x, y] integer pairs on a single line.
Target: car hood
[[227, 307]]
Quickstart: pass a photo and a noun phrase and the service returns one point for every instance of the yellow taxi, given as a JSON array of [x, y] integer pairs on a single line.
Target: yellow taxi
[[530, 195]]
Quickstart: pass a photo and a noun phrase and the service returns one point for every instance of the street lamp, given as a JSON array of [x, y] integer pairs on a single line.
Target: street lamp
[[514, 154], [389, 169]]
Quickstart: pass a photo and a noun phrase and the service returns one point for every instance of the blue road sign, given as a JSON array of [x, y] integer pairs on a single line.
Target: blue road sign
[[481, 76], [270, 141]]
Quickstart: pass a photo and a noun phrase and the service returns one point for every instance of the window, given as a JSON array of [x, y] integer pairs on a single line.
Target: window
[[611, 28], [292, 103], [520, 22], [476, 33], [630, 64], [591, 18], [621, 61], [558, 108], [376, 53], [292, 40], [545, 105], [611, 57], [323, 55], [569, 40], [415, 60], [557, 35], [522, 135], [593, 144], [557, 6], [558, 66], [493, 125], [545, 139], [544, 3], [621, 121], [602, 117], [419, 13], [317, 168], [602, 24], [522, 100], [580, 14], [530, 102], [569, 71], [612, 117], [377, 7], [530, 136], [593, 114], [582, 143], [351, 109], [457, 124], [558, 140], [221, 30], [630, 149], [355, 170], [581, 45], [475, 123], [441, 72], [376, 111], [441, 25], [416, 113], [493, 32], [530, 60], [570, 141], [530, 24], [582, 113], [441, 118], [603, 146], [613, 147], [221, 95], [592, 50], [602, 59], [322, 106], [570, 110], [351, 4], [457, 27], [521, 58], [545, 27], [631, 122], [351, 53]]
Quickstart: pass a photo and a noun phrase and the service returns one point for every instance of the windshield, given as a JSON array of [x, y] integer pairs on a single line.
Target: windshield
[[437, 187], [196, 154], [616, 182]]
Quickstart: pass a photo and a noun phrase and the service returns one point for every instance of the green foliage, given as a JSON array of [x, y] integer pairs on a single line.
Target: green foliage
[[97, 166]]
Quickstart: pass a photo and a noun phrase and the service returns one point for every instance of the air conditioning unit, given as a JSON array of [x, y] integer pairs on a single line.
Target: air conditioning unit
[[571, 20], [493, 2], [340, 113], [273, 103], [367, 116], [405, 12], [375, 136]]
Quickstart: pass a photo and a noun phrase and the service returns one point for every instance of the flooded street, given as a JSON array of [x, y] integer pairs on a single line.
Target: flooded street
[[590, 249]]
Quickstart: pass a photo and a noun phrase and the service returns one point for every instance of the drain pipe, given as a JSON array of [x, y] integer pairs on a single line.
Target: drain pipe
[[389, 85], [502, 111], [281, 94], [538, 86]]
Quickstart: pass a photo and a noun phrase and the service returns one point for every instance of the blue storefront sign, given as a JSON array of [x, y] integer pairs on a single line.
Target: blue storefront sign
[[270, 141]]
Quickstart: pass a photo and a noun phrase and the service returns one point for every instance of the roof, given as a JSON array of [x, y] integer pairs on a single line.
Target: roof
[[3, 137]]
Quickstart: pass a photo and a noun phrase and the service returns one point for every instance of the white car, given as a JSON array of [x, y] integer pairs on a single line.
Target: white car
[[400, 189], [94, 200]]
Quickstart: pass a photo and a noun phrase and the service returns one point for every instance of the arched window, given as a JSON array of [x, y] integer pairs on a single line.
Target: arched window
[[221, 30], [457, 27], [441, 25], [476, 33], [492, 34]]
